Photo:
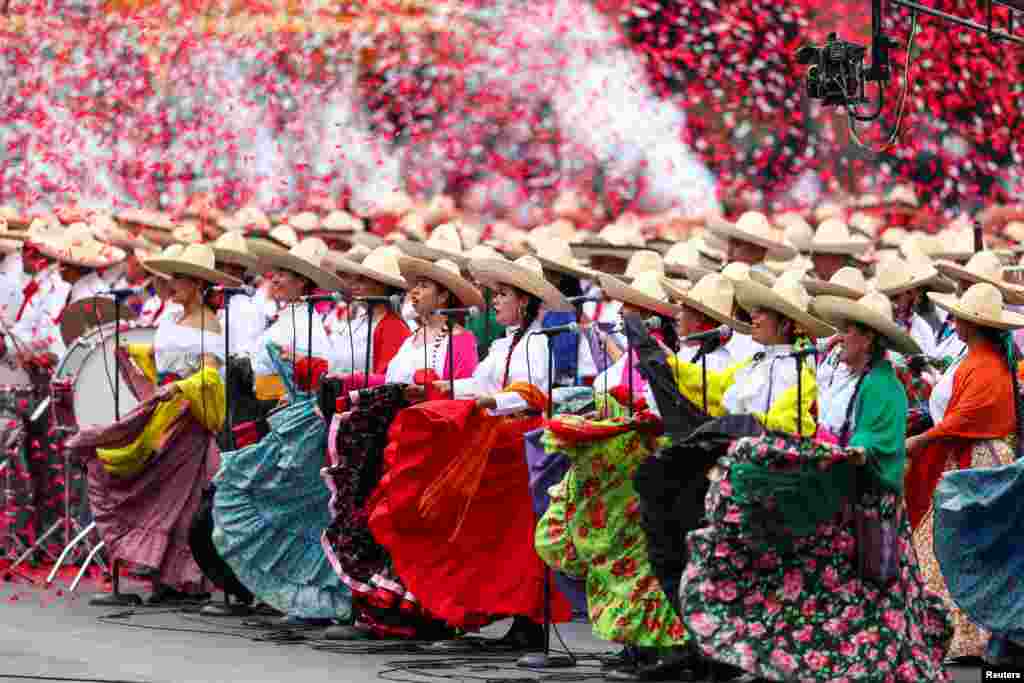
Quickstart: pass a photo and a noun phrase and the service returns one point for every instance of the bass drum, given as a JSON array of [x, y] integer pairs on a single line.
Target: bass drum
[[89, 366]]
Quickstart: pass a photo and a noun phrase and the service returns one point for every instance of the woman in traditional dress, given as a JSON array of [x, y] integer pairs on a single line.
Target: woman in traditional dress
[[973, 425], [371, 320], [381, 604], [270, 507], [805, 570], [763, 390], [453, 508], [147, 472]]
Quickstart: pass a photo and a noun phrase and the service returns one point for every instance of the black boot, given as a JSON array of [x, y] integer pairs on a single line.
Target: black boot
[[524, 636], [674, 664]]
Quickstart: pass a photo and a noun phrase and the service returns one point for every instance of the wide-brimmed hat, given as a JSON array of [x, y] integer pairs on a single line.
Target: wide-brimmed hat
[[278, 241], [866, 224], [188, 232], [873, 310], [341, 221], [78, 246], [736, 271], [984, 266], [305, 221], [684, 258], [645, 261], [714, 295], [525, 274], [833, 237], [380, 265], [444, 272], [619, 239], [646, 292], [981, 304], [196, 261], [828, 209], [556, 255], [107, 230], [170, 252], [847, 282], [896, 276], [902, 195], [147, 218], [443, 243], [788, 298], [800, 262], [752, 227], [796, 231], [232, 248], [307, 258], [247, 219]]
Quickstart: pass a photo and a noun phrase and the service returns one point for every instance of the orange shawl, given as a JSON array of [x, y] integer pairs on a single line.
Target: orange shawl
[[981, 407]]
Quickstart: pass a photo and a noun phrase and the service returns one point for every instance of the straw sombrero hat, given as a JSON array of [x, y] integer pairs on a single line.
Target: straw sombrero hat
[[984, 266], [304, 222], [736, 270], [231, 247], [307, 259], [107, 230], [645, 261], [170, 252], [380, 265], [684, 258], [796, 231], [15, 219], [444, 272], [896, 276], [847, 282], [278, 240], [714, 295], [341, 221], [800, 262], [188, 232], [981, 304], [833, 237], [556, 255], [443, 243], [195, 260], [903, 195], [78, 246], [873, 310], [646, 292], [752, 227], [246, 219], [786, 297], [525, 274], [866, 224]]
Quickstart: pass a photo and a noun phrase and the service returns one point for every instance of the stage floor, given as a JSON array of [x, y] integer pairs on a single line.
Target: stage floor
[[48, 633]]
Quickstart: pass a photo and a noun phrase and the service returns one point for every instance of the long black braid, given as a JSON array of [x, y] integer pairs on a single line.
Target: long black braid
[[669, 332], [529, 317]]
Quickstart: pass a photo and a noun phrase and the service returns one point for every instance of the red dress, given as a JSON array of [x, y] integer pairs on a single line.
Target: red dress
[[467, 555]]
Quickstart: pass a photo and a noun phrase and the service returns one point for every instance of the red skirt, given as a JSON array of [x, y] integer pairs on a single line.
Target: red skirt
[[489, 570]]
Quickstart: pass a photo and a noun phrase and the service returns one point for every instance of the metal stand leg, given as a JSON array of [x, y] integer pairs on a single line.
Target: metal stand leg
[[13, 541]]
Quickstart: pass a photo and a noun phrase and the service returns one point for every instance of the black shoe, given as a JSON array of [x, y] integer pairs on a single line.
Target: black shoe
[[347, 633], [662, 670], [524, 636], [965, 661], [627, 658], [166, 596], [303, 622]]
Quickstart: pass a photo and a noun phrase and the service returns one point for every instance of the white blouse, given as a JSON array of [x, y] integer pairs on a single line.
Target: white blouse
[[410, 358], [760, 383], [90, 285], [836, 385], [248, 322], [291, 327], [742, 346], [349, 341], [179, 349], [942, 392], [529, 363], [719, 359]]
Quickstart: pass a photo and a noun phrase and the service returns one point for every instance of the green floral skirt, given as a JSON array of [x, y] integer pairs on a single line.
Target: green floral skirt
[[788, 607]]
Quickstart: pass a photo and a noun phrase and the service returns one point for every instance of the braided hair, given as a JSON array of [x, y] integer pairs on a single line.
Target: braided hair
[[529, 317], [669, 333]]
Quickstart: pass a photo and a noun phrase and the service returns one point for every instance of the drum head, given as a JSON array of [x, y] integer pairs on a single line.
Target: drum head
[[90, 313], [95, 376]]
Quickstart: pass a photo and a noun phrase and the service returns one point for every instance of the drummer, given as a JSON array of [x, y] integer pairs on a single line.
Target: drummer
[[247, 319]]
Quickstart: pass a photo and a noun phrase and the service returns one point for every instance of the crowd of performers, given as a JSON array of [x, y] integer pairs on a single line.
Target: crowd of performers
[[783, 448]]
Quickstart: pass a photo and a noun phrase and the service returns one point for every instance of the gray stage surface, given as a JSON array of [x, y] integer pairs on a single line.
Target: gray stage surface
[[48, 633]]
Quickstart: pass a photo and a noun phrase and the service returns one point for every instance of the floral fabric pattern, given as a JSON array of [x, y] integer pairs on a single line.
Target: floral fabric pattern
[[592, 531], [787, 607]]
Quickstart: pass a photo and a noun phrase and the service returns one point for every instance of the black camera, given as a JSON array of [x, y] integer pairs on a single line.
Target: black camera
[[835, 73]]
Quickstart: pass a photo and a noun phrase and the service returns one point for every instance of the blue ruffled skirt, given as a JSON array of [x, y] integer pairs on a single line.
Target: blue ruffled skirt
[[979, 544], [270, 511]]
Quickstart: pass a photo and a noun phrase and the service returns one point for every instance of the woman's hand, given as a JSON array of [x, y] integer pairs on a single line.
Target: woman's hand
[[168, 392], [443, 386], [486, 402], [415, 393], [858, 455], [915, 442]]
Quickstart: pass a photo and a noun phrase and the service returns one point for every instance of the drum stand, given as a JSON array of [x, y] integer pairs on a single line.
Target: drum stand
[[13, 540], [115, 598]]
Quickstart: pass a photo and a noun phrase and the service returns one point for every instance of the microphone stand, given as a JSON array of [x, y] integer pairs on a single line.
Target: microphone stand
[[450, 324], [546, 660], [369, 343], [116, 598], [799, 396]]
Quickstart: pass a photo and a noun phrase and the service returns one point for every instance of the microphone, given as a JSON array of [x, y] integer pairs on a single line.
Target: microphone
[[596, 297], [469, 310], [124, 292], [559, 329], [314, 298], [720, 332], [230, 291], [395, 300]]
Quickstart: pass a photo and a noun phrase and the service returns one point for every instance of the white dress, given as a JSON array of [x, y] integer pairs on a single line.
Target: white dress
[[529, 363], [836, 384], [38, 326], [742, 346], [248, 322], [412, 356], [349, 340]]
